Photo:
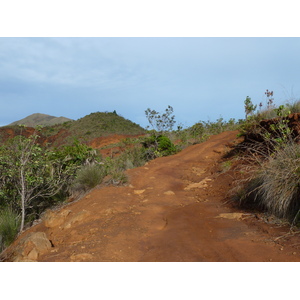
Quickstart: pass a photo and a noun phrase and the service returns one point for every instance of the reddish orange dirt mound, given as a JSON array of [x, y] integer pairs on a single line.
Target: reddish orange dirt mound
[[101, 142], [172, 210]]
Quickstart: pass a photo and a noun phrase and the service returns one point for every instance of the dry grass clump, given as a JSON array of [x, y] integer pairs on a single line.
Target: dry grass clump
[[294, 106], [9, 226], [278, 183], [275, 187], [88, 177]]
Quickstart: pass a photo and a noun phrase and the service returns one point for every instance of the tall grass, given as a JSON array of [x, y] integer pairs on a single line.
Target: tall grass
[[278, 183], [294, 106], [275, 187], [9, 226], [88, 177]]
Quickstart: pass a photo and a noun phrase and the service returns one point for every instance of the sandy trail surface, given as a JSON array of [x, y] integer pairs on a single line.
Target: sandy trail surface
[[173, 209]]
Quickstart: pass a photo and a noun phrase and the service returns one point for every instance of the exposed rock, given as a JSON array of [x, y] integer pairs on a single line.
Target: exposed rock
[[53, 218], [31, 246], [169, 193], [138, 192], [76, 218], [231, 216], [81, 257], [196, 185]]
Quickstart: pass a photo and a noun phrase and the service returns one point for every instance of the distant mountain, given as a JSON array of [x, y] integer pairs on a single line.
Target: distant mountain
[[92, 126], [40, 119], [86, 129]]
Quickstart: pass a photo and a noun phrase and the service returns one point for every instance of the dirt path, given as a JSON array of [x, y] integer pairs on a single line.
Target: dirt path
[[173, 210]]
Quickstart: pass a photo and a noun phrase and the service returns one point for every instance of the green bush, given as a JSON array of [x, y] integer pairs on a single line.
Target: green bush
[[156, 146], [88, 177], [9, 227]]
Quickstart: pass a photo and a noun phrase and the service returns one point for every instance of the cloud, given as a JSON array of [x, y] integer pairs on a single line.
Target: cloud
[[71, 62]]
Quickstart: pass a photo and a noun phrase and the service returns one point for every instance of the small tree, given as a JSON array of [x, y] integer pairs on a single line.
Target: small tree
[[161, 122], [28, 169], [158, 144], [31, 175], [249, 107]]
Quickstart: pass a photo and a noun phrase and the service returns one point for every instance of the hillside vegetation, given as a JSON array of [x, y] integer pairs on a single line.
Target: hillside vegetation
[[269, 159], [95, 125]]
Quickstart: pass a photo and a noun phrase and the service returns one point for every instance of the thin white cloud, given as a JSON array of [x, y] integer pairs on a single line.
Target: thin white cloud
[[77, 62]]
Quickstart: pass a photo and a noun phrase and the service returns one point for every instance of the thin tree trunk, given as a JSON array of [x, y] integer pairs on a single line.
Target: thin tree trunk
[[22, 198]]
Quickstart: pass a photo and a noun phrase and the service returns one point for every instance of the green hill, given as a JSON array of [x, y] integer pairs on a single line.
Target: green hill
[[96, 125]]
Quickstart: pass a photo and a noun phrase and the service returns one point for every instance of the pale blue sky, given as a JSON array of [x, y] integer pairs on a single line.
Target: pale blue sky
[[202, 78]]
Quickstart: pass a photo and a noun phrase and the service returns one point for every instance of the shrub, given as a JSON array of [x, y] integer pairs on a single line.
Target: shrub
[[118, 177], [156, 146], [9, 227], [131, 158], [278, 183], [294, 106], [89, 176], [275, 187], [249, 107]]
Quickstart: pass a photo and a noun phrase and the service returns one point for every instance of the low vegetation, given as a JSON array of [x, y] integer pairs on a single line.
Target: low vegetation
[[92, 126], [9, 226], [274, 186]]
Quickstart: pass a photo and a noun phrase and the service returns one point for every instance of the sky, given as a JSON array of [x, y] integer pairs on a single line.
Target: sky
[[202, 78]]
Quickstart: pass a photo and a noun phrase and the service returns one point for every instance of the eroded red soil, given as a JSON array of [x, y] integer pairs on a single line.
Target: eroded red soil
[[107, 144], [172, 210]]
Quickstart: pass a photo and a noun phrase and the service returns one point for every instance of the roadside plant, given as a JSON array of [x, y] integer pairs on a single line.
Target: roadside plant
[[89, 176], [249, 107], [31, 175], [293, 106], [161, 122], [9, 226], [270, 99], [276, 186], [157, 146]]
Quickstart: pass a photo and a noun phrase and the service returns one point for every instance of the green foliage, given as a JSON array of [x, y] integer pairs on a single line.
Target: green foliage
[[131, 158], [156, 146], [89, 176], [9, 226], [276, 185], [100, 124], [249, 107], [32, 178], [282, 111], [200, 131], [76, 154]]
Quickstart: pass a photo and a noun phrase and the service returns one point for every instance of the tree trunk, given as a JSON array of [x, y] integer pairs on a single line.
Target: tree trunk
[[22, 198]]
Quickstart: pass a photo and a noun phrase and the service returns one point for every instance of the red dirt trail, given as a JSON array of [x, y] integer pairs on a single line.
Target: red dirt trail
[[172, 210]]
